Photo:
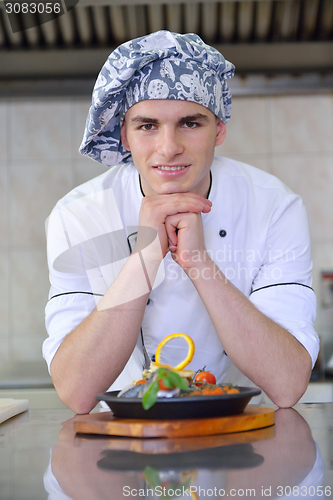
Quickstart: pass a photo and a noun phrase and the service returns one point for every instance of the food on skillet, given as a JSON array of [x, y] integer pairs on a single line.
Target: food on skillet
[[166, 381]]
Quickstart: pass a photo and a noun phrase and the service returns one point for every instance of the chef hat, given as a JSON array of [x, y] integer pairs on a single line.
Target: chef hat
[[162, 65]]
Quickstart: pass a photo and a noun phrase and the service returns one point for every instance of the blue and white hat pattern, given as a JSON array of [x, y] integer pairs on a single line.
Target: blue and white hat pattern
[[162, 65]]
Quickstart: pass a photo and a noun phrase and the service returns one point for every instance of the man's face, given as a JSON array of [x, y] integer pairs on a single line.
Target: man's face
[[172, 144]]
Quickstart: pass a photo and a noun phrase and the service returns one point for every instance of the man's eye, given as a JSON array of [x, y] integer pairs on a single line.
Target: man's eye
[[190, 124], [147, 126]]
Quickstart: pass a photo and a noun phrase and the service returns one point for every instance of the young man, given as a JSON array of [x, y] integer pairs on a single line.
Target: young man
[[172, 239]]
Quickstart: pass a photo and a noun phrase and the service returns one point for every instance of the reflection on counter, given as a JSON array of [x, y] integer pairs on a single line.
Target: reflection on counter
[[281, 461]]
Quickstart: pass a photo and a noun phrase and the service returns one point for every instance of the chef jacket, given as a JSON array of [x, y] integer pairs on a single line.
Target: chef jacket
[[256, 232]]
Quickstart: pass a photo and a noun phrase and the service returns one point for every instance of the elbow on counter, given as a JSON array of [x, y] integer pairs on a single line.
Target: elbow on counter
[[287, 398], [76, 398], [81, 404], [72, 391], [290, 387]]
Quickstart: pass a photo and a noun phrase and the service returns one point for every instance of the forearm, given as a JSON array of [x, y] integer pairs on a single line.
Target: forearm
[[263, 350], [92, 356]]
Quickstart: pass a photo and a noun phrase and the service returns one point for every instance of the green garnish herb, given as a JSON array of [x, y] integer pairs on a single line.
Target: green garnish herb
[[170, 379]]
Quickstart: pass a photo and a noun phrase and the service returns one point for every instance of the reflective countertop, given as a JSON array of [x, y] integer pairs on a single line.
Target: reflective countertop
[[42, 458]]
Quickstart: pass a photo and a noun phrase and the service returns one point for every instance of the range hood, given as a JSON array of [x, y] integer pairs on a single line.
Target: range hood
[[276, 45]]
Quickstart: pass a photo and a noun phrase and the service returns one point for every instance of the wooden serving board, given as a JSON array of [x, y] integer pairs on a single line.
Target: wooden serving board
[[106, 424], [163, 445]]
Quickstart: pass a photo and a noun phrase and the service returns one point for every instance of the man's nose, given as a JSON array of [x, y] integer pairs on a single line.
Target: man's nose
[[169, 143]]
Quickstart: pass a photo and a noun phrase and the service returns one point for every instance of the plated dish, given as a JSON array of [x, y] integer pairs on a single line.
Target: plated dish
[[180, 407], [171, 392]]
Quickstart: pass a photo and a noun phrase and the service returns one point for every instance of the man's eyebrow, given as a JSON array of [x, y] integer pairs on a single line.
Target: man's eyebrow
[[194, 118], [143, 119]]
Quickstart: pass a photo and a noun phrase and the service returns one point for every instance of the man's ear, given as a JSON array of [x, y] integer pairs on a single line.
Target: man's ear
[[221, 132], [123, 135]]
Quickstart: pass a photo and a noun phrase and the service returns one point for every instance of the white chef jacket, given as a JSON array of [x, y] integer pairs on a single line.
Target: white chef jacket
[[256, 232]]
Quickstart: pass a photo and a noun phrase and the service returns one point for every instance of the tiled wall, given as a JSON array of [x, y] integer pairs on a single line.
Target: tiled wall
[[290, 136], [39, 163]]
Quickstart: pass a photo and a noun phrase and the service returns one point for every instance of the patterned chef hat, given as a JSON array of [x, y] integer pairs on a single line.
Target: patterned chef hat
[[162, 65]]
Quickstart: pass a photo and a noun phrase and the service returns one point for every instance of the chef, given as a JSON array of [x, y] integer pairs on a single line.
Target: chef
[[172, 239]]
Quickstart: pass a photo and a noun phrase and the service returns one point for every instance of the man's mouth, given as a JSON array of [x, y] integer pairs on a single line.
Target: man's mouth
[[164, 167]]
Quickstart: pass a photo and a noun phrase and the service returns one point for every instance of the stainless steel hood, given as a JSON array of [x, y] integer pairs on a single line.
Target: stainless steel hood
[[276, 45]]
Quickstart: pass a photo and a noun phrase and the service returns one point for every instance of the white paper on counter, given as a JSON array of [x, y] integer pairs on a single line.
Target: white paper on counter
[[10, 407]]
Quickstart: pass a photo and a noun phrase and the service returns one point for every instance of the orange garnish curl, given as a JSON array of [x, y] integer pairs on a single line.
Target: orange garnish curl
[[186, 361]]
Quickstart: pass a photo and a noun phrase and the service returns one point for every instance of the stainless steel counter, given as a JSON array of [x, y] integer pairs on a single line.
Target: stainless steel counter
[[42, 458]]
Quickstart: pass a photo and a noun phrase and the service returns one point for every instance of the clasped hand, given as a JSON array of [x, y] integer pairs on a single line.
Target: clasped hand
[[178, 223]]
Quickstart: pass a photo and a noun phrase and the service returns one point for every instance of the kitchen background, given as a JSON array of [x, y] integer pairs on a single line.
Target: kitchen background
[[282, 122]]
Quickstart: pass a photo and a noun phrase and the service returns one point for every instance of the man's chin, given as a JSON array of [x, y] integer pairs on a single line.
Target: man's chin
[[165, 188], [176, 190], [170, 187]]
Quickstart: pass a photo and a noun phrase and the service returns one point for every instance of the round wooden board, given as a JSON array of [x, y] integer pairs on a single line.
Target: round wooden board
[[172, 445], [106, 424]]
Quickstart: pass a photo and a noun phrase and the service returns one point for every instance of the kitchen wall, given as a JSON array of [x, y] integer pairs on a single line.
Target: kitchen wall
[[288, 136], [291, 137]]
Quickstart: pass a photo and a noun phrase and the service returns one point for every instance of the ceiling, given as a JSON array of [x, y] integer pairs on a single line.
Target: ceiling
[[276, 45]]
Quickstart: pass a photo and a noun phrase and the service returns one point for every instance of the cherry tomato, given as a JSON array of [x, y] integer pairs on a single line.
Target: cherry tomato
[[205, 377], [162, 386]]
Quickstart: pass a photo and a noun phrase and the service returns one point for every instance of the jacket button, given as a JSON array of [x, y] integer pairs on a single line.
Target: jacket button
[[223, 233]]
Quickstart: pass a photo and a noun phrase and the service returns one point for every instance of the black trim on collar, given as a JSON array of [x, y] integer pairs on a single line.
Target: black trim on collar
[[70, 293], [210, 184], [143, 194], [279, 284]]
